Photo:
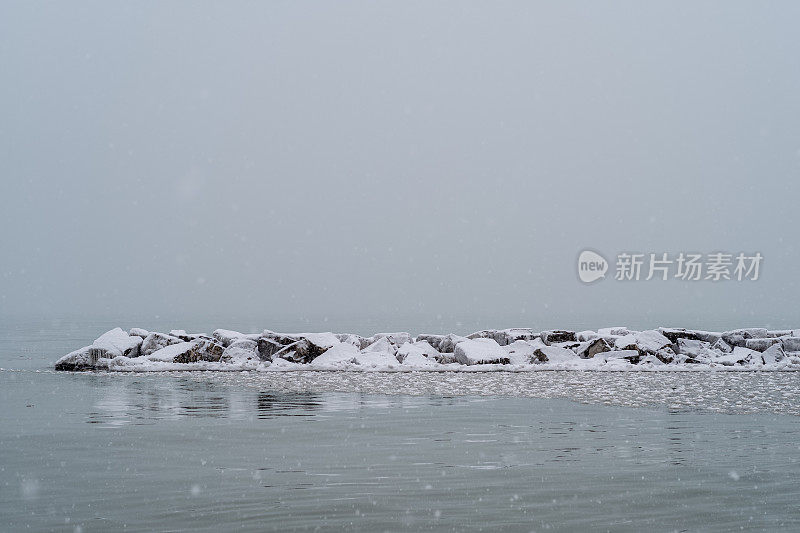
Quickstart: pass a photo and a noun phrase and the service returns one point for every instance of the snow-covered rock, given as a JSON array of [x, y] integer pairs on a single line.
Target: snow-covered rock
[[241, 350], [632, 357], [673, 334], [226, 337], [114, 343], [202, 350], [376, 360], [739, 356], [722, 346], [790, 344], [504, 337], [308, 348], [172, 353], [553, 354], [138, 332], [417, 355], [760, 345], [382, 345], [442, 343], [607, 349], [186, 337], [337, 356], [773, 355], [557, 335], [588, 335], [421, 348], [396, 339], [155, 341], [356, 340], [618, 331], [77, 360], [521, 352], [591, 348], [480, 351]]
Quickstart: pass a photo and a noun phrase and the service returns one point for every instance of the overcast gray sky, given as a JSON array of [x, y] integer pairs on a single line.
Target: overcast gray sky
[[431, 165]]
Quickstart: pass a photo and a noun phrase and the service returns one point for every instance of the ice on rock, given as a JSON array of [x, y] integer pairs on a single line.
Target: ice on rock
[[588, 335], [417, 355], [382, 345], [553, 354], [629, 356], [591, 348], [396, 339], [504, 337], [202, 350], [226, 337], [779, 333], [753, 333], [480, 351], [773, 355], [651, 341], [186, 337], [442, 343], [738, 337], [760, 345], [77, 360], [416, 360], [138, 332], [791, 344], [171, 353], [557, 335], [521, 352], [241, 350], [336, 357], [692, 347], [422, 349], [376, 360], [114, 343], [155, 341], [309, 347], [722, 346], [739, 356], [618, 331], [673, 334], [356, 340], [648, 342]]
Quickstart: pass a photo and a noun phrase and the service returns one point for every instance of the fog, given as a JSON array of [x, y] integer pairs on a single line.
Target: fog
[[409, 165]]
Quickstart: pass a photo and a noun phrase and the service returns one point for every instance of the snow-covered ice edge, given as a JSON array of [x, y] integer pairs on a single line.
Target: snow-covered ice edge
[[515, 350]]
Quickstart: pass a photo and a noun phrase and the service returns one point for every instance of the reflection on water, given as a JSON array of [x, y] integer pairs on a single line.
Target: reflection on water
[[140, 402], [270, 404]]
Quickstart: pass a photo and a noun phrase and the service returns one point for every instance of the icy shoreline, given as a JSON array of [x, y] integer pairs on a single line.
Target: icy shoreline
[[508, 350]]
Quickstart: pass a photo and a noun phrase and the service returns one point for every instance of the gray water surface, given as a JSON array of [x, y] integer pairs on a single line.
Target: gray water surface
[[302, 451]]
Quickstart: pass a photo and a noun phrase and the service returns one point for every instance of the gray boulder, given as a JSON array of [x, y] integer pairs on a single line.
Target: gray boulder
[[480, 351], [557, 335], [589, 349], [552, 354], [308, 348], [442, 343], [773, 354], [79, 360], [155, 341], [790, 344], [760, 345]]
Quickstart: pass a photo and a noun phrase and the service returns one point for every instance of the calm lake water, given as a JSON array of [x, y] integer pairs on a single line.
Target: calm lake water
[[389, 452]]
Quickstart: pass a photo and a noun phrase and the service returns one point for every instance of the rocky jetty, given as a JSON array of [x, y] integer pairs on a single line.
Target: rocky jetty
[[516, 349]]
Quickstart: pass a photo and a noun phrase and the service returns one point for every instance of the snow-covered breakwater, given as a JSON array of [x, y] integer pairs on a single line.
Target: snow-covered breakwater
[[517, 349]]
